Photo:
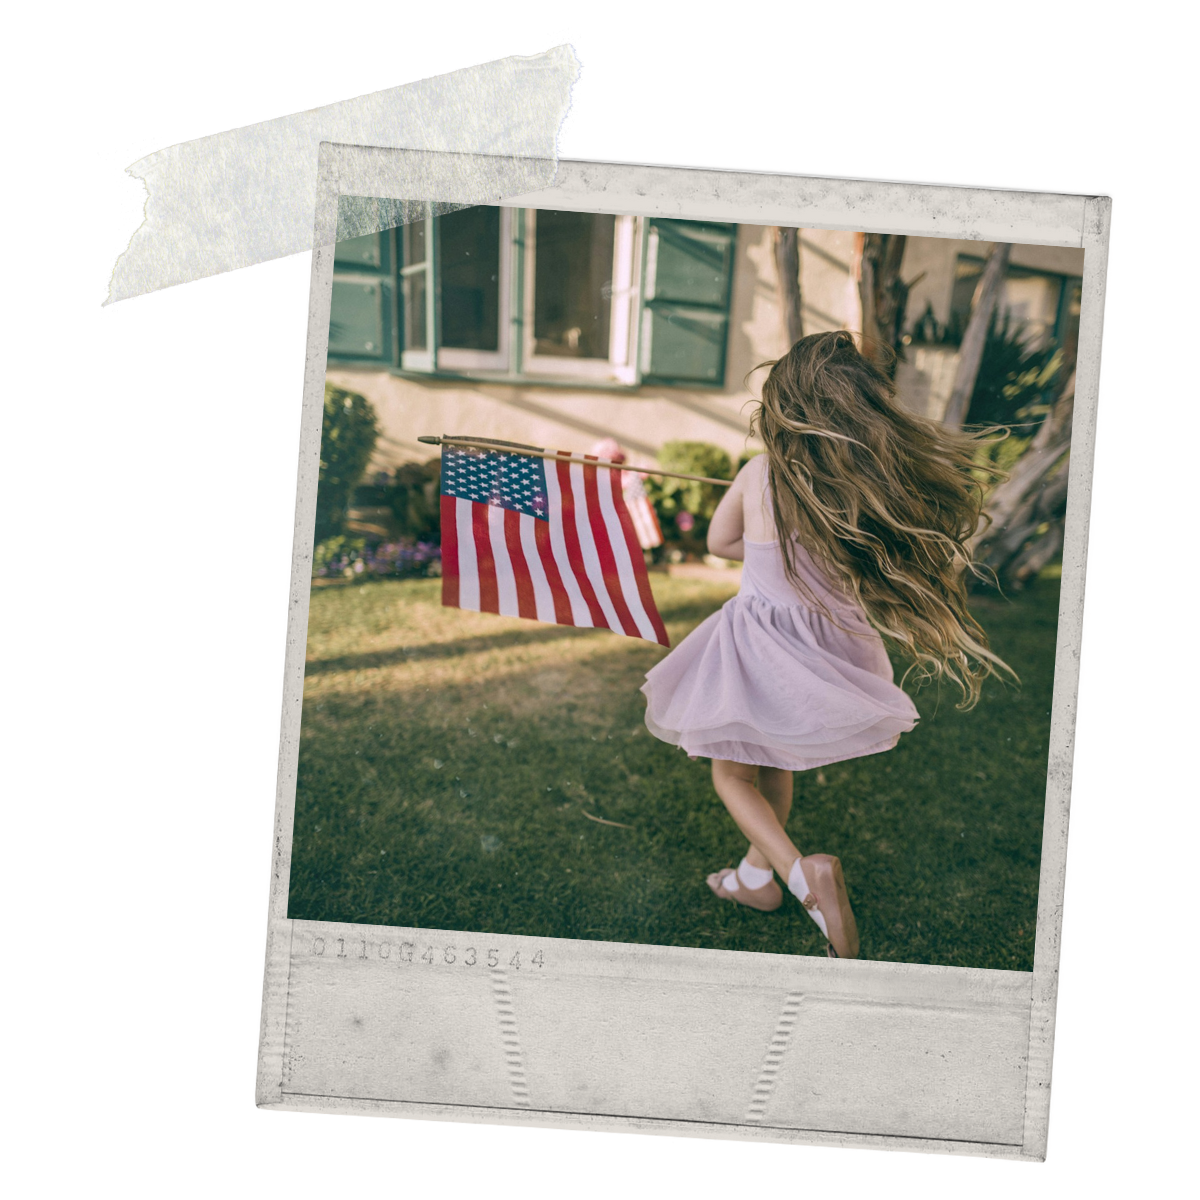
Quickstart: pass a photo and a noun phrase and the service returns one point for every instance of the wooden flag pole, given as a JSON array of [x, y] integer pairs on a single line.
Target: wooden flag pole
[[538, 452]]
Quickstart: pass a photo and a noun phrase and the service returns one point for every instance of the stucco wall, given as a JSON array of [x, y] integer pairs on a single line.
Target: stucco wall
[[567, 418]]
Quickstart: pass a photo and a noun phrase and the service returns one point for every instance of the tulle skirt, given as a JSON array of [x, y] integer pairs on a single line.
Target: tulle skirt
[[778, 686]]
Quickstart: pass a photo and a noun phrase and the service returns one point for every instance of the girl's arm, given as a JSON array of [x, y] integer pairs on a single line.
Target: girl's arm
[[728, 524]]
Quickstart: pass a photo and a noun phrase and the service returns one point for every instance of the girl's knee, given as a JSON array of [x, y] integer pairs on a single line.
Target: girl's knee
[[723, 769]]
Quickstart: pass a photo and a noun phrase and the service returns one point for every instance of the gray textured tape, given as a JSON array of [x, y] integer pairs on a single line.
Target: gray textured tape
[[247, 195]]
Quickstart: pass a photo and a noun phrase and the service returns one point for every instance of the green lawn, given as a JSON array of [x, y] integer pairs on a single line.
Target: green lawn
[[452, 763]]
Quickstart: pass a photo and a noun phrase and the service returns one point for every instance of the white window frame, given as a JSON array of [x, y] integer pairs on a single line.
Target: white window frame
[[455, 358], [419, 360], [621, 364]]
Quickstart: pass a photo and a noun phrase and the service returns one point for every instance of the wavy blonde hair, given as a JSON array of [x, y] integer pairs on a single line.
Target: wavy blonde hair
[[884, 501]]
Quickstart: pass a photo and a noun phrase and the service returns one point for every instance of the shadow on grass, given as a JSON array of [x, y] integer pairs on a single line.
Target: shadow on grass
[[536, 633], [456, 649]]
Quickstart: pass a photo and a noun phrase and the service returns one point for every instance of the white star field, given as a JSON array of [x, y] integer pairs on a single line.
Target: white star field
[[511, 481]]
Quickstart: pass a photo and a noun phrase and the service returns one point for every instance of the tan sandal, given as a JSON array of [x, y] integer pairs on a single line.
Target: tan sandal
[[766, 898], [828, 895]]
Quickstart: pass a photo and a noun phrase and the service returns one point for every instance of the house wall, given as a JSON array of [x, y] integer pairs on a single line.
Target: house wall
[[570, 418]]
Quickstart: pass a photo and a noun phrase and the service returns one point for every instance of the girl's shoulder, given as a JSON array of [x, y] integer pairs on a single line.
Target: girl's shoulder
[[754, 471], [756, 509]]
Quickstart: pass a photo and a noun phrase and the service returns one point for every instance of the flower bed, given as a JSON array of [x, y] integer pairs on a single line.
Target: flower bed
[[352, 558]]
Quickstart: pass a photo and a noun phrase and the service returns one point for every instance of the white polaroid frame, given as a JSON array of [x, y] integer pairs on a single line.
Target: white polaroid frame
[[459, 1025]]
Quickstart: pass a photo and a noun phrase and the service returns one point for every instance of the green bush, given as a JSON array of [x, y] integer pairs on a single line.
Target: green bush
[[349, 431], [414, 498], [685, 507]]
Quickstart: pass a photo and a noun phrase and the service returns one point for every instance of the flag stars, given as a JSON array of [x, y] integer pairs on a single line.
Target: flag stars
[[512, 481]]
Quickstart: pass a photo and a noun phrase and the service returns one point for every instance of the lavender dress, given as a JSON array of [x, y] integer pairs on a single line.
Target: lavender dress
[[769, 680]]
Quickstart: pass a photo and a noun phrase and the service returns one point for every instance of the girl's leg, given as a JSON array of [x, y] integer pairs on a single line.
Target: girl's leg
[[776, 787], [824, 893], [754, 814]]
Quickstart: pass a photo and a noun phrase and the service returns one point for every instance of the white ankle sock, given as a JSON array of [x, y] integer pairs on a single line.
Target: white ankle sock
[[752, 876], [798, 886]]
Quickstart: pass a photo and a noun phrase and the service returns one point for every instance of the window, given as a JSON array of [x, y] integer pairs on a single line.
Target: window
[[580, 273], [539, 296], [1047, 304], [685, 321], [361, 318]]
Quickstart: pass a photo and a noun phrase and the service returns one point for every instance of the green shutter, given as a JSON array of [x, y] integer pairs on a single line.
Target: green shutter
[[362, 313], [362, 253], [685, 313]]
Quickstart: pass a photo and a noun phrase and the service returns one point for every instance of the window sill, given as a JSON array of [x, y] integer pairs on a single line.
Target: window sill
[[506, 379]]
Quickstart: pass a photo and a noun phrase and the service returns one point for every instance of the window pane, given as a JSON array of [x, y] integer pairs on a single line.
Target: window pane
[[414, 243], [1033, 301], [369, 251], [357, 319], [572, 290], [412, 289], [684, 343], [693, 263], [469, 259]]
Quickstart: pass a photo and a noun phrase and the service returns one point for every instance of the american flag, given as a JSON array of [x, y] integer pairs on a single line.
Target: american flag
[[550, 541]]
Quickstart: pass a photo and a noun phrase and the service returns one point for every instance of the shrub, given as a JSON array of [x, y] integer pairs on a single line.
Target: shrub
[[349, 430], [1017, 383], [685, 507], [414, 499]]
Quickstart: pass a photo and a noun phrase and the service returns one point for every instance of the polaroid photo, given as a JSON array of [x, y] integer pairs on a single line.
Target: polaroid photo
[[683, 652]]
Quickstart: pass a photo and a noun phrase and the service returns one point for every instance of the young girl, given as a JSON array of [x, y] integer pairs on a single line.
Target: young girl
[[853, 524]]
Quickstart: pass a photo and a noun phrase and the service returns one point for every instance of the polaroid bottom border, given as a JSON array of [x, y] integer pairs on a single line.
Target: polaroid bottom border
[[649, 1126]]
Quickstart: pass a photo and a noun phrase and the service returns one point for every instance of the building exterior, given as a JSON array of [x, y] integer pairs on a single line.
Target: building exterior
[[559, 329]]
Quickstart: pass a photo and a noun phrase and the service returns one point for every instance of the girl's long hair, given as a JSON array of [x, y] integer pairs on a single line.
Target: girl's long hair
[[884, 501]]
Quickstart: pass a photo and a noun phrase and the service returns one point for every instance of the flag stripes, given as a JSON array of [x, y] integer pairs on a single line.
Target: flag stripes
[[581, 565]]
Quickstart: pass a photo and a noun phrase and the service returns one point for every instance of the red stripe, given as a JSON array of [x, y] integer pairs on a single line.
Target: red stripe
[[558, 593], [449, 552], [526, 601], [574, 553], [639, 565], [608, 560], [489, 596]]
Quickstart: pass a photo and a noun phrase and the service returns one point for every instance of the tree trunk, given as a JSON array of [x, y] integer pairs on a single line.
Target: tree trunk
[[1027, 510], [787, 265], [864, 275], [983, 304], [883, 294]]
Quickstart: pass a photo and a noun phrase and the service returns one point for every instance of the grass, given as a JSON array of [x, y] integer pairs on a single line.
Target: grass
[[452, 766]]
